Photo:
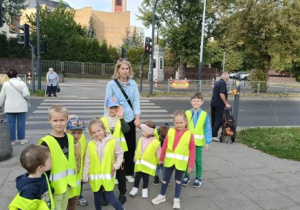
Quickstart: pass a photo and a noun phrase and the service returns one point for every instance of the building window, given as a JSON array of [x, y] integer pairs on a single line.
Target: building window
[[160, 64], [119, 2]]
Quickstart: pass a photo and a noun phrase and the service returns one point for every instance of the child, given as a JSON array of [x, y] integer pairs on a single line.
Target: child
[[178, 153], [199, 125], [160, 134], [34, 188], [146, 158], [75, 127], [61, 145], [103, 157], [116, 125]]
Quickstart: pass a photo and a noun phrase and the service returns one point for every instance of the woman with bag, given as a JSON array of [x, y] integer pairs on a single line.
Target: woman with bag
[[126, 91], [52, 82], [14, 95]]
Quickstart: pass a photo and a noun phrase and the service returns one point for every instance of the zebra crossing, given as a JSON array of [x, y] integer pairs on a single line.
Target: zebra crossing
[[37, 123]]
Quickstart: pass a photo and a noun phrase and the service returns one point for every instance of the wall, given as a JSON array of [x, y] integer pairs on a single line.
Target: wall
[[23, 66]]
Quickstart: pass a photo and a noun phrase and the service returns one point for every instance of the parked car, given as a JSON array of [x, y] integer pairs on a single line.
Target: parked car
[[241, 75], [232, 75]]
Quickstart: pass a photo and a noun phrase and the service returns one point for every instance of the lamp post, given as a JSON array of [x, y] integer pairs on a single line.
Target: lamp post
[[224, 54], [152, 49], [201, 45], [38, 43]]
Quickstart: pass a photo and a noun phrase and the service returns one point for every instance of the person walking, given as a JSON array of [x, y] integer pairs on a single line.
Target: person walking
[[52, 81], [14, 95], [218, 103], [126, 91]]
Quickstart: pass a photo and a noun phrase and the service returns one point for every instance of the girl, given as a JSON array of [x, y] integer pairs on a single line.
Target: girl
[[146, 158], [100, 164], [178, 153]]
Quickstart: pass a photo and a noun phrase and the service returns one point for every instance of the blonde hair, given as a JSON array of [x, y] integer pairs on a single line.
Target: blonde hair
[[59, 109], [116, 74], [180, 113], [97, 120]]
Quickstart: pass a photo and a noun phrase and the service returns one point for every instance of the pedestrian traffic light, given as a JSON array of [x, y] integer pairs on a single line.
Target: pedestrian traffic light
[[24, 37], [148, 45], [124, 53]]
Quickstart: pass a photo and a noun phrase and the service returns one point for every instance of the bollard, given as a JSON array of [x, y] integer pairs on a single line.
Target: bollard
[[155, 82], [213, 83], [5, 143]]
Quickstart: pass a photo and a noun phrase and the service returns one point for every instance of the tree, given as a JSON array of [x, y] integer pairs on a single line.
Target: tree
[[12, 9], [132, 39]]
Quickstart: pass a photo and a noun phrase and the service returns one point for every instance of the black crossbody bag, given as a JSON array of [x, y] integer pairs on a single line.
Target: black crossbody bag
[[125, 95]]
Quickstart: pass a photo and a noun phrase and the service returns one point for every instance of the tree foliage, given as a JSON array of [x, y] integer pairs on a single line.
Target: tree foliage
[[12, 8]]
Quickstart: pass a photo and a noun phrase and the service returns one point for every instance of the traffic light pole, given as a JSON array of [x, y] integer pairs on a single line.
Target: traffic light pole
[[141, 73], [38, 44], [201, 46], [152, 49], [32, 68]]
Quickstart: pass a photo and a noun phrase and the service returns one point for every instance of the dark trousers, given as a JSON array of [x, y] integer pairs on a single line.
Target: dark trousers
[[120, 175], [131, 144], [137, 178], [51, 89], [166, 179], [216, 119], [110, 196]]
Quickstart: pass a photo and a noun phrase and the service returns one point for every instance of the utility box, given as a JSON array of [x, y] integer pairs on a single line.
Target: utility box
[[158, 66]]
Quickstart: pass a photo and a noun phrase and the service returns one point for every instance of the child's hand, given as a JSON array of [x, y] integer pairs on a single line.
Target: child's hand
[[206, 147], [112, 171], [189, 170], [120, 112], [85, 181]]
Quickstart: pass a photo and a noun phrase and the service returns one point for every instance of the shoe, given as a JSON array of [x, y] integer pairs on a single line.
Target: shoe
[[216, 139], [49, 95], [134, 191], [186, 180], [122, 199], [176, 203], [145, 193], [24, 141], [156, 180], [130, 179], [197, 182], [82, 202], [55, 95], [13, 143], [116, 182], [159, 199]]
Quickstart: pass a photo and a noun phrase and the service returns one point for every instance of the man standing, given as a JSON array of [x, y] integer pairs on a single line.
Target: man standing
[[218, 103]]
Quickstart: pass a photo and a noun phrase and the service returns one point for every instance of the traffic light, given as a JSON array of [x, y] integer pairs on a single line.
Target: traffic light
[[148, 45], [24, 37], [123, 53], [2, 20]]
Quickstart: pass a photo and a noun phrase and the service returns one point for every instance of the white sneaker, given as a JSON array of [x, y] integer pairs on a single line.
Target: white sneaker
[[145, 193], [130, 179], [116, 182], [176, 203], [159, 199], [134, 191], [215, 139], [24, 141]]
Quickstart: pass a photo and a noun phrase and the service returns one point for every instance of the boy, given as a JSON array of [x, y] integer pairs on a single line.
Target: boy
[[116, 125], [34, 188], [75, 127], [61, 145], [199, 125]]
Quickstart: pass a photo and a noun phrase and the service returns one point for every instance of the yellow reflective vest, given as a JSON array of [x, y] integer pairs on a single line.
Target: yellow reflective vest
[[63, 170], [155, 133], [198, 130], [27, 204], [180, 156], [118, 135], [75, 191], [100, 173], [148, 161]]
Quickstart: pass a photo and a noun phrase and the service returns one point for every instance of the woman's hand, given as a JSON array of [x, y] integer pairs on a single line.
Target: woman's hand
[[189, 170], [137, 121], [120, 112]]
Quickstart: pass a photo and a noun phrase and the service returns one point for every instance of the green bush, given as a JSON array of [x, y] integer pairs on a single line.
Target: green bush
[[258, 80]]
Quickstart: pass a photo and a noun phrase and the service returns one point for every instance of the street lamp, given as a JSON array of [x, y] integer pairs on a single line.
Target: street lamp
[[38, 44], [201, 45]]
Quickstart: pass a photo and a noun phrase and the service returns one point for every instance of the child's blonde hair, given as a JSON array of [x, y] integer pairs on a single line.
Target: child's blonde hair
[[59, 109], [180, 113], [97, 120]]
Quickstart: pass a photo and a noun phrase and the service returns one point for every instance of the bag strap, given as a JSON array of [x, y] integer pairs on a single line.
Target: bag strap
[[17, 90], [125, 95]]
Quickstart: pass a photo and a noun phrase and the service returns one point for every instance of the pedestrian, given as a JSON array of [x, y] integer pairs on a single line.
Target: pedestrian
[[14, 96], [61, 145], [199, 125], [52, 82], [125, 90], [146, 158], [103, 157], [177, 154], [160, 133], [75, 127], [34, 191], [218, 103], [115, 125]]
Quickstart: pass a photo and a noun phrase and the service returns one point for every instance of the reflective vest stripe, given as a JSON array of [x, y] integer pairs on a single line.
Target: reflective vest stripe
[[122, 139], [199, 136], [61, 175], [177, 156], [145, 163], [100, 176]]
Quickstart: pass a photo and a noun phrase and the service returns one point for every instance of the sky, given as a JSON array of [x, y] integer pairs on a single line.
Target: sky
[[105, 5]]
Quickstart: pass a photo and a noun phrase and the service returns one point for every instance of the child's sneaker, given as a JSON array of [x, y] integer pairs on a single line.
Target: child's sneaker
[[176, 203], [82, 202], [186, 180], [197, 182], [159, 199], [13, 143], [130, 179], [156, 180], [134, 191], [145, 193], [24, 141]]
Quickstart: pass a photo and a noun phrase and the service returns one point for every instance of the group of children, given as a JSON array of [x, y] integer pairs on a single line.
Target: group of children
[[63, 160]]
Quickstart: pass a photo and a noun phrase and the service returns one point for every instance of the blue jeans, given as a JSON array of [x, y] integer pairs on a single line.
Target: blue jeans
[[110, 196], [159, 170], [12, 119]]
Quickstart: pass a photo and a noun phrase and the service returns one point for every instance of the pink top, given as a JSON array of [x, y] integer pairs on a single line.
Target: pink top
[[145, 144], [178, 135], [100, 147]]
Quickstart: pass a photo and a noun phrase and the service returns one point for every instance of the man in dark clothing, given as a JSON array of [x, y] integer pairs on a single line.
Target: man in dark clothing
[[218, 103]]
